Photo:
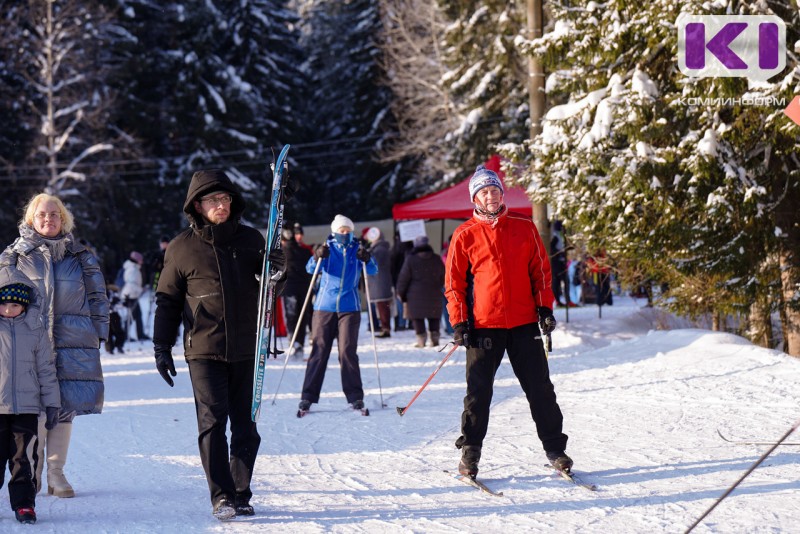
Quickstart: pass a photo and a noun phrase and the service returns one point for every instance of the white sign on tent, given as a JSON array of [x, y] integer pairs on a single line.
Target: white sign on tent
[[411, 229]]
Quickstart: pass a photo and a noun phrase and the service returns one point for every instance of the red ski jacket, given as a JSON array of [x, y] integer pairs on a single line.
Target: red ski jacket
[[498, 272]]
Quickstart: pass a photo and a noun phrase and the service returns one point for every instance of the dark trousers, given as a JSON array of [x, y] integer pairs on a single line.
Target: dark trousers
[[561, 286], [224, 391], [528, 360], [17, 431], [419, 325], [292, 304], [116, 333], [325, 327]]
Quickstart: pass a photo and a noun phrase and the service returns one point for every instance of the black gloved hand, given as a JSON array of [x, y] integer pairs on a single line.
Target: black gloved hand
[[164, 363], [322, 251], [547, 323], [462, 335], [51, 417], [363, 254], [277, 258]]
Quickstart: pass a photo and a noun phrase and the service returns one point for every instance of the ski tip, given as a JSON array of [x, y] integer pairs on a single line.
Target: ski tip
[[401, 411]]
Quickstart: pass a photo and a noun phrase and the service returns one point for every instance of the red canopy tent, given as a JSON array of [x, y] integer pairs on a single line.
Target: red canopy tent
[[454, 202]]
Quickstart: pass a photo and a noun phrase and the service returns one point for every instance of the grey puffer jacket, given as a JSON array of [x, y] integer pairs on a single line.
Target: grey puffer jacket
[[380, 285], [74, 310], [28, 381]]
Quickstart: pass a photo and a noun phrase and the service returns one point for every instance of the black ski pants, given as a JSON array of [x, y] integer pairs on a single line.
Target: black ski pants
[[224, 391], [325, 327], [17, 431], [528, 360]]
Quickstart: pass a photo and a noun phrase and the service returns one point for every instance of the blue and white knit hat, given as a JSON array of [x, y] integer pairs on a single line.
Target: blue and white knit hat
[[483, 177], [19, 293]]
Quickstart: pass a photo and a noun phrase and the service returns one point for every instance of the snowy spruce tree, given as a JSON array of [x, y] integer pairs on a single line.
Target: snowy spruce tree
[[209, 84], [693, 193], [347, 113], [59, 59], [486, 77]]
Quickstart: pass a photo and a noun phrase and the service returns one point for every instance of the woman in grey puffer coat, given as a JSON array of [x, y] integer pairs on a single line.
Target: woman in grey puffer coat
[[75, 312]]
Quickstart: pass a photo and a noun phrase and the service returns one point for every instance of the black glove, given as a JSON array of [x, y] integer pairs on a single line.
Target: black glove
[[164, 363], [462, 335], [51, 417], [362, 254], [323, 251], [277, 257], [547, 323]]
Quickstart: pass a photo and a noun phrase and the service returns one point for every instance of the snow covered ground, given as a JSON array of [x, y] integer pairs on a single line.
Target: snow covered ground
[[642, 408]]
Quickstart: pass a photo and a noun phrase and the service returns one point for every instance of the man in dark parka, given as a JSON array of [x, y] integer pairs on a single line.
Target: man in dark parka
[[210, 282]]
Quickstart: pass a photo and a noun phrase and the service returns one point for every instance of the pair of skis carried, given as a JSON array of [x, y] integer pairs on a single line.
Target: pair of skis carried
[[269, 277]]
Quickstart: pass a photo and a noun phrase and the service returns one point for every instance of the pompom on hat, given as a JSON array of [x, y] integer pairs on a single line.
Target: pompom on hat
[[339, 221], [19, 293], [483, 177]]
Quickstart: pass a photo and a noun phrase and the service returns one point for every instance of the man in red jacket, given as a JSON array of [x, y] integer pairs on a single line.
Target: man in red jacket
[[499, 293]]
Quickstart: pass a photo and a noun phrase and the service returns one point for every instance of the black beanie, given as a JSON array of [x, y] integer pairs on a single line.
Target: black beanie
[[19, 293]]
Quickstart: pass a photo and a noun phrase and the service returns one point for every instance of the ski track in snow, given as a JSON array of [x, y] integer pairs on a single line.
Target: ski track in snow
[[641, 407]]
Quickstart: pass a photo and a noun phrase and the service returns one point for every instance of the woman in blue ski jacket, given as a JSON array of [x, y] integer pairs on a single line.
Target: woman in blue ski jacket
[[337, 312]]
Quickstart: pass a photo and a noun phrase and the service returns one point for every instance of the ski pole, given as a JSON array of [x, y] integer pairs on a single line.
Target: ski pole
[[402, 410], [372, 329], [297, 327], [752, 468]]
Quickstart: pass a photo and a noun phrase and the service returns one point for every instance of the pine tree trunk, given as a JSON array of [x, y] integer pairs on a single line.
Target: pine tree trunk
[[760, 330], [786, 219], [790, 287]]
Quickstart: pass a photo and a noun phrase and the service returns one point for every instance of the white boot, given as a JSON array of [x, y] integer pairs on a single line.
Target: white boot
[[40, 439], [57, 447], [420, 341]]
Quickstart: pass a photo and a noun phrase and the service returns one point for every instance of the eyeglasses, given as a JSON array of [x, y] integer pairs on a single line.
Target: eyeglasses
[[217, 200], [55, 216]]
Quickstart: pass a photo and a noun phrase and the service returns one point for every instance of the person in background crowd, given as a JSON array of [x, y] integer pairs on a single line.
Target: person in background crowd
[[380, 285], [298, 236], [558, 264], [599, 269], [27, 383], [575, 274], [448, 328], [419, 287], [75, 312], [155, 262], [400, 250], [298, 281], [498, 289], [131, 291], [209, 282], [117, 319], [337, 313]]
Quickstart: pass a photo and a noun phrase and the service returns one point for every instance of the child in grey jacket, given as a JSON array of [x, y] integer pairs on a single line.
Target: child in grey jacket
[[28, 384]]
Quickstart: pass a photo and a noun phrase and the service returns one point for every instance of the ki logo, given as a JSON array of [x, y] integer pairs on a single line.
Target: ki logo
[[752, 46]]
